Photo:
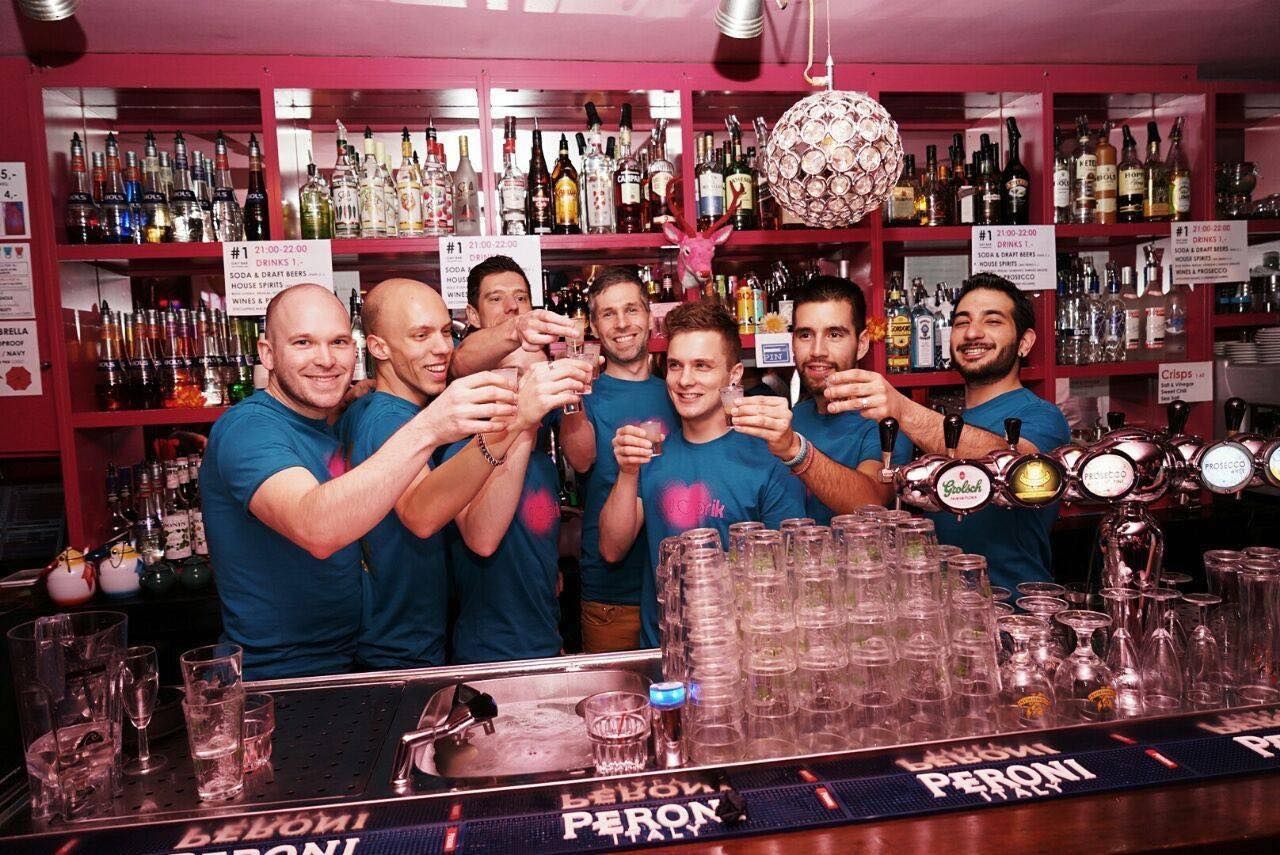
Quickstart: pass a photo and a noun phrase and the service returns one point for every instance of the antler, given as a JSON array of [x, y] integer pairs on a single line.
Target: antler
[[677, 208], [738, 192]]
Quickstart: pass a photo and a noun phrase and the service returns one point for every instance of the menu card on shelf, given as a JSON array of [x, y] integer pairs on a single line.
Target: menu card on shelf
[[459, 254], [1209, 252], [1025, 255], [255, 271]]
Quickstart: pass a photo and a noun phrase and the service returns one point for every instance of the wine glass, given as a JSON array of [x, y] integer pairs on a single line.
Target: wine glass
[[1026, 693], [1082, 683], [1047, 647], [1161, 661], [1204, 678], [141, 683], [1122, 652]]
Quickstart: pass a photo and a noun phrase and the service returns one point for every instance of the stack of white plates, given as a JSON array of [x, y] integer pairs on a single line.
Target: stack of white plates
[[1242, 352], [1219, 348], [1269, 345]]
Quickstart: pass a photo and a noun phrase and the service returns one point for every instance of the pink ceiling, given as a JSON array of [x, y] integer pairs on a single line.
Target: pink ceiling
[[1232, 37]]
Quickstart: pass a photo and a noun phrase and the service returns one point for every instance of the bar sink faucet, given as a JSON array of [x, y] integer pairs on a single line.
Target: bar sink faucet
[[470, 709]]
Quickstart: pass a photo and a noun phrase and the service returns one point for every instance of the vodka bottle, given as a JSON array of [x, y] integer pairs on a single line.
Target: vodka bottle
[[942, 310], [1095, 315], [1061, 181], [1153, 307], [1084, 175], [435, 195], [1115, 314], [511, 187], [390, 202], [466, 194], [1134, 334], [408, 191], [345, 191], [1175, 322], [371, 201], [597, 180], [361, 371]]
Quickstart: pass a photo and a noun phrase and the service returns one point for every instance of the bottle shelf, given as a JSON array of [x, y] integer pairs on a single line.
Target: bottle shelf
[[1246, 319], [1265, 226], [658, 344], [921, 379], [1109, 369], [138, 252], [798, 237], [1095, 232], [141, 418], [927, 234]]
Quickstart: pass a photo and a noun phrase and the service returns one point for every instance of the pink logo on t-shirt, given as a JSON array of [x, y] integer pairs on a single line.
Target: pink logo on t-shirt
[[685, 506], [539, 511], [337, 463]]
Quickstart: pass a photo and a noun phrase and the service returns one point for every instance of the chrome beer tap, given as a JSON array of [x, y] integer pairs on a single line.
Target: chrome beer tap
[[937, 482], [1184, 481], [888, 438], [1030, 480], [1230, 465]]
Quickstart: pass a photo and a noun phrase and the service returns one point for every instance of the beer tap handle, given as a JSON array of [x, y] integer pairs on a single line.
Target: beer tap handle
[[1115, 420], [1233, 411], [952, 426], [1178, 411], [1013, 431], [888, 437]]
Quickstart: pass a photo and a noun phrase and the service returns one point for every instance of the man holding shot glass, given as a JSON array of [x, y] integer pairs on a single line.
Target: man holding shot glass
[[836, 455], [708, 475]]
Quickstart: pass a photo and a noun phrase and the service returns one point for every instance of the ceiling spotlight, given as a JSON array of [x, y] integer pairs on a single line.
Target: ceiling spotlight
[[48, 10], [740, 19]]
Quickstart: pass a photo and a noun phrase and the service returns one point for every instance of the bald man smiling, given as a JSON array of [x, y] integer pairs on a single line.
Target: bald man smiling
[[283, 513], [405, 588]]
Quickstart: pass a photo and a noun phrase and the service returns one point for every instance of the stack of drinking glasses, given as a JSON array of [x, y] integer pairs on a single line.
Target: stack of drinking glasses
[[228, 733]]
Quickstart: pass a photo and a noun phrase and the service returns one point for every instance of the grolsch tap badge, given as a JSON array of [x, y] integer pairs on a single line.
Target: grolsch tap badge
[[962, 486]]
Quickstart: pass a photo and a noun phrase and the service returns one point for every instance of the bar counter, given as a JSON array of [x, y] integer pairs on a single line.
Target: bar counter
[[1186, 780]]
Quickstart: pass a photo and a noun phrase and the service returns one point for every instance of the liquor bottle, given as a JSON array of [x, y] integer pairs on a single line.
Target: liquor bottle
[[361, 371], [148, 530], [1179, 172], [176, 516], [1015, 182], [241, 384], [257, 225], [118, 525], [1116, 314], [1094, 314], [627, 199], [165, 167], [111, 385], [202, 179], [1131, 181], [541, 211], [314, 215], [784, 301], [564, 185], [988, 199], [133, 195], [661, 172], [436, 206], [466, 194], [744, 303], [228, 219], [766, 205], [1061, 181], [371, 222], [210, 359], [933, 192], [157, 224], [1155, 206], [1153, 304], [738, 179], [114, 215], [1175, 322], [942, 310], [344, 191], [905, 193], [710, 180], [511, 187], [390, 200], [1084, 175], [408, 191], [199, 541], [580, 140], [898, 328], [966, 192], [597, 180], [450, 190], [144, 368], [97, 176], [1107, 182], [188, 216], [180, 387], [924, 330]]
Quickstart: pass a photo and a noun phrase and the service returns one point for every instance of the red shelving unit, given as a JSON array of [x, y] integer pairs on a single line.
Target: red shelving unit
[[138, 252], [1107, 369], [141, 418], [1246, 319]]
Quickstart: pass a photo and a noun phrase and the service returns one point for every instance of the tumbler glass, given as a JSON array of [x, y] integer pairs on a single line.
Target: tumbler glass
[[975, 682], [770, 704], [1258, 671], [917, 540], [259, 729], [212, 672], [874, 694], [819, 598], [927, 694], [215, 732], [738, 534], [1049, 647], [859, 543], [812, 546], [618, 724], [654, 431], [822, 690]]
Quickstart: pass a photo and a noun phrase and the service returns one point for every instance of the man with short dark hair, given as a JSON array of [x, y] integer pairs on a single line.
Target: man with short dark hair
[[626, 393], [991, 330], [836, 455], [708, 474]]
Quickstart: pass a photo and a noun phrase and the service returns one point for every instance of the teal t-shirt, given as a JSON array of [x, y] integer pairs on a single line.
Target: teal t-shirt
[[406, 580], [294, 614], [732, 478], [847, 438], [1015, 541], [507, 604], [612, 404]]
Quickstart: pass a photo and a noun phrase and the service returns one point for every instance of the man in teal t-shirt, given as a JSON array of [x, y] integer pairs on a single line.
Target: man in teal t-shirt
[[708, 475], [626, 393], [992, 329], [282, 512], [828, 336]]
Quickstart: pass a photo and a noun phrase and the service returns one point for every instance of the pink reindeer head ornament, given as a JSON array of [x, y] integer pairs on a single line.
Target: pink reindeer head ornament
[[695, 250]]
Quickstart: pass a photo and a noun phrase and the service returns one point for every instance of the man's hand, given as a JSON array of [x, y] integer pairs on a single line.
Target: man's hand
[[539, 328], [864, 392], [547, 385], [481, 403], [768, 417], [631, 448]]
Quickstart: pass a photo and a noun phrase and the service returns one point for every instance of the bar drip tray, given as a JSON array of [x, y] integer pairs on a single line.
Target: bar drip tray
[[538, 732]]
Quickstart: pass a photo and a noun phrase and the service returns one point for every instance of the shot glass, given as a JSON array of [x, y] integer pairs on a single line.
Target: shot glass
[[215, 734], [574, 406], [655, 432], [618, 724], [259, 727], [510, 376], [730, 395], [591, 350]]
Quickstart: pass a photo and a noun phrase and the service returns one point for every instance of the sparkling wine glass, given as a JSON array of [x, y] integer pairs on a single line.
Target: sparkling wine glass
[[1161, 661], [141, 683], [1122, 652], [1026, 693], [1082, 683], [1204, 678]]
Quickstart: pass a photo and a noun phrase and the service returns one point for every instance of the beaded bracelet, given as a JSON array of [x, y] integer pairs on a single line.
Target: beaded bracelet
[[794, 461]]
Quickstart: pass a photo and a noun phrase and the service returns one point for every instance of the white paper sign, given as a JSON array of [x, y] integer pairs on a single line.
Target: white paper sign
[[14, 204], [1025, 255], [17, 299], [1209, 252], [1186, 381], [255, 271], [19, 359], [932, 269], [773, 350], [459, 254], [1090, 387]]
